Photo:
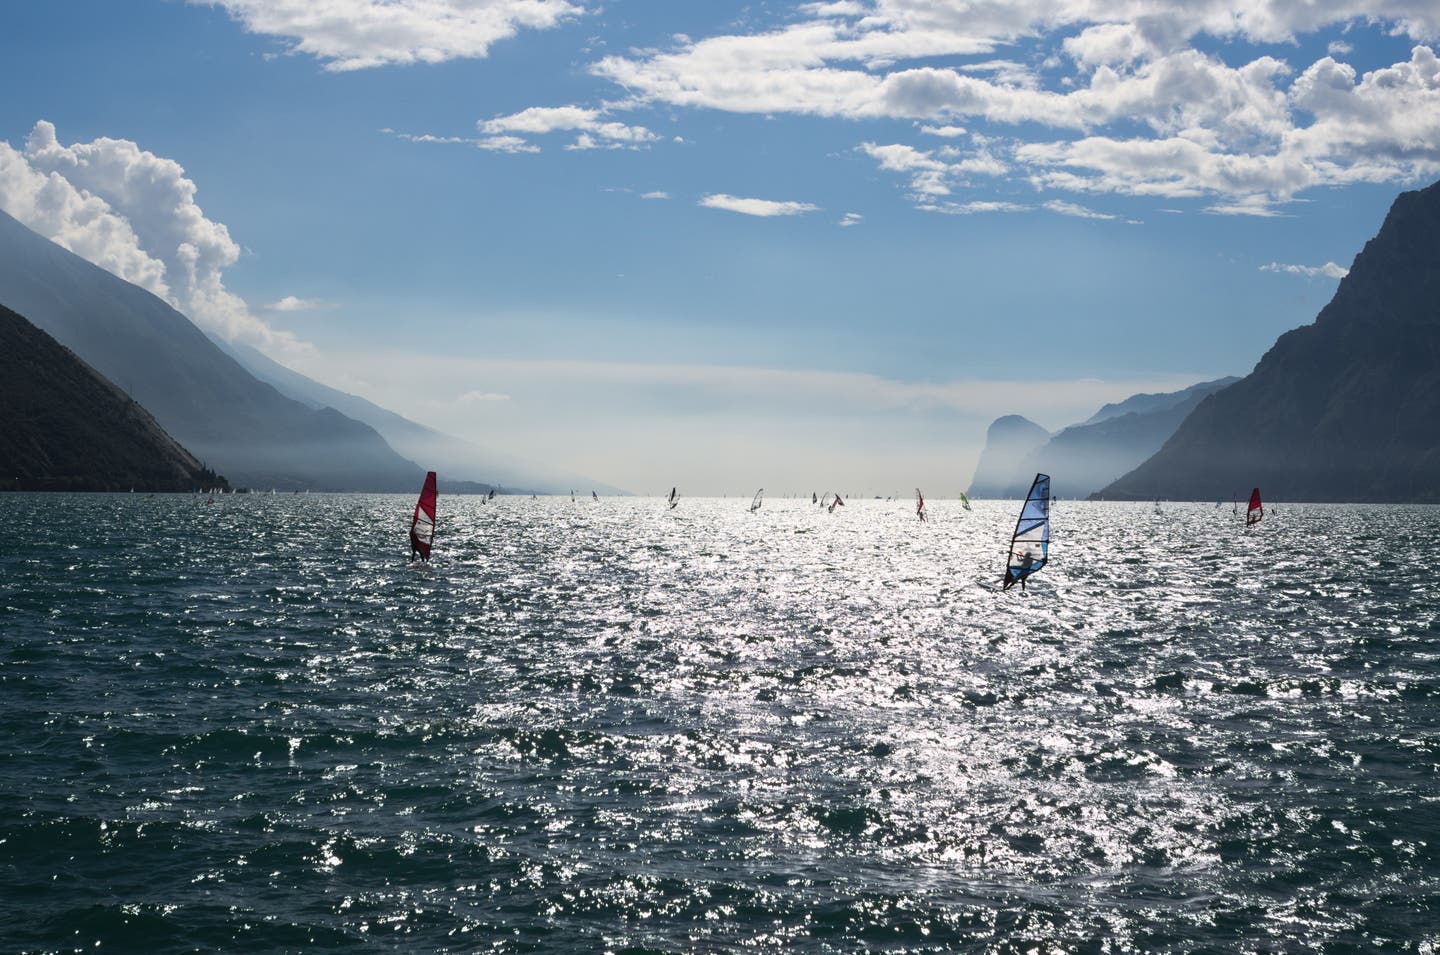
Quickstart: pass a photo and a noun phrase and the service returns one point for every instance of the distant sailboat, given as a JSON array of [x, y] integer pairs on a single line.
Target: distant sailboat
[[964, 501], [836, 503], [1032, 533], [491, 495], [919, 504], [593, 495], [813, 498], [674, 498], [1256, 512], [422, 525], [759, 499]]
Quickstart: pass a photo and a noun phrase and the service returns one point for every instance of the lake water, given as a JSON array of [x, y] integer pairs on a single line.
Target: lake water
[[607, 726]]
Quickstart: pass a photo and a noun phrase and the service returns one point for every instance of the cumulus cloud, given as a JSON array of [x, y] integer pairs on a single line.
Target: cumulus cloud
[[765, 208], [1132, 102], [850, 219], [357, 34], [1329, 270], [134, 213]]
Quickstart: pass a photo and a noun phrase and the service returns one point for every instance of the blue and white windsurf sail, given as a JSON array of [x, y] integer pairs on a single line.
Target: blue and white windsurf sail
[[1030, 546]]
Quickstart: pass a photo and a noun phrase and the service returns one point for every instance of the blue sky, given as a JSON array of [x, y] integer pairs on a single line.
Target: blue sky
[[804, 240]]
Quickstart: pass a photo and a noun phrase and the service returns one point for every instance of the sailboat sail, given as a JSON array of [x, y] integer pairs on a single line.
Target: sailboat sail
[[759, 499], [422, 525], [1256, 512], [919, 504], [1030, 545], [836, 503], [593, 495], [674, 498], [964, 501]]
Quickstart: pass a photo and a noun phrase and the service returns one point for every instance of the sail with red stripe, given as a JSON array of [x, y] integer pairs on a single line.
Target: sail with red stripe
[[1256, 512], [422, 525], [919, 504]]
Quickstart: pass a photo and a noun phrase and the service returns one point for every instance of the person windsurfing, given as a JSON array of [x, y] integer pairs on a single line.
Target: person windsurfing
[[1027, 561]]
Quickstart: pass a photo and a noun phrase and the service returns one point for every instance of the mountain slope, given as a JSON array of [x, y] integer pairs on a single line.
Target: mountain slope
[[63, 427], [1344, 409], [203, 397], [1086, 457], [1150, 403], [454, 458]]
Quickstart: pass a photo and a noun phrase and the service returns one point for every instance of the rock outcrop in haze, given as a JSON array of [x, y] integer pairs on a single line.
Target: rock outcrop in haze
[[1008, 442], [64, 427], [1344, 409], [238, 424]]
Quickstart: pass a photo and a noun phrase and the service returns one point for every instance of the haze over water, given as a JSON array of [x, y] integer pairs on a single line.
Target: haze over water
[[608, 726]]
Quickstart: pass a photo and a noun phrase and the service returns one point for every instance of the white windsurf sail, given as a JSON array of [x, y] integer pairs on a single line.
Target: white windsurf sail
[[1030, 544]]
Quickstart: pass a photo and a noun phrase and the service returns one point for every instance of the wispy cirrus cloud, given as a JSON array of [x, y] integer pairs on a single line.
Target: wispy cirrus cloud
[[293, 303], [764, 208], [593, 130]]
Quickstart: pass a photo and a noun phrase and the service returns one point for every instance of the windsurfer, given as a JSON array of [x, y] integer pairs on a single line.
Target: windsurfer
[[1027, 561]]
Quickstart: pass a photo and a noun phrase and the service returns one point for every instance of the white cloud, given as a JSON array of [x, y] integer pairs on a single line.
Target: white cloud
[[293, 303], [593, 130], [1329, 270], [927, 174], [505, 144], [1061, 207], [1131, 106], [972, 208], [356, 34], [134, 213], [764, 208], [656, 194], [850, 219]]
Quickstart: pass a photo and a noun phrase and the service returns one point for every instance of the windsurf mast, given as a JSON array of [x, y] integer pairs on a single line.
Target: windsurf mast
[[1030, 544], [758, 500], [422, 525], [1256, 512]]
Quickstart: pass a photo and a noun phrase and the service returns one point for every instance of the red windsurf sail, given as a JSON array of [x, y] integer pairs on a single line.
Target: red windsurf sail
[[919, 504], [422, 526], [1256, 513]]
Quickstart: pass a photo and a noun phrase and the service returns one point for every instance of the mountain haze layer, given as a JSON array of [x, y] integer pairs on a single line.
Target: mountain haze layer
[[1086, 457], [228, 418], [64, 427], [455, 459], [1344, 409]]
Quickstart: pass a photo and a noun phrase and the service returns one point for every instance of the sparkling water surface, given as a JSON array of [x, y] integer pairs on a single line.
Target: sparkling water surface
[[609, 726]]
